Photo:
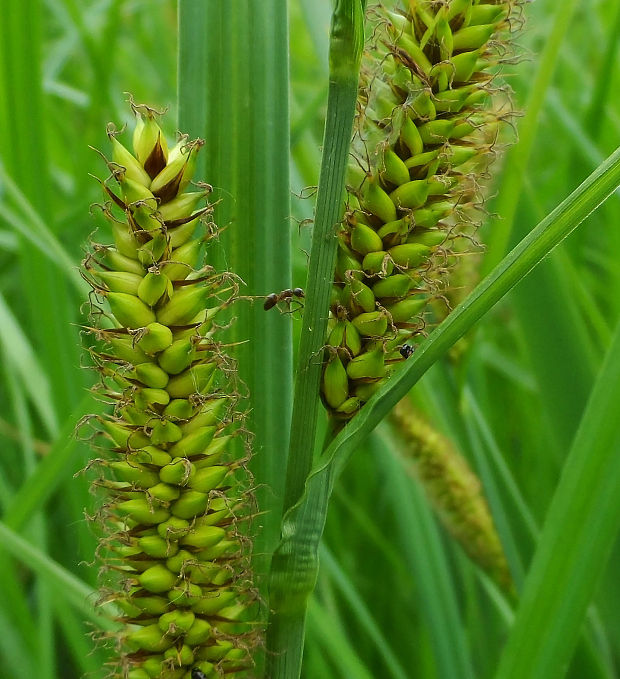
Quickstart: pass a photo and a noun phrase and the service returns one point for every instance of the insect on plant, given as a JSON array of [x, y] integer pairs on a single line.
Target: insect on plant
[[288, 297]]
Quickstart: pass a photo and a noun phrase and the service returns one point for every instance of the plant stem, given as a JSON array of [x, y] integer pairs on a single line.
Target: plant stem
[[285, 635], [345, 53]]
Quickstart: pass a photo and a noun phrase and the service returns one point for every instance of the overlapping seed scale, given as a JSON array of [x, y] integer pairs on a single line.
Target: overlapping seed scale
[[177, 504], [424, 134]]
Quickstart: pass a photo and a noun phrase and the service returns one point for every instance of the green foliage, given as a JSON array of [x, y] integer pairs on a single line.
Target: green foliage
[[394, 596]]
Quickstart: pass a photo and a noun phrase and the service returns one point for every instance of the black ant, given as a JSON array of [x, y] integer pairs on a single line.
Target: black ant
[[406, 350], [287, 295], [198, 674]]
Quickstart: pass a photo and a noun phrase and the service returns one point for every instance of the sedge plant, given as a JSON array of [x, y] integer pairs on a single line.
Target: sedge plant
[[176, 500]]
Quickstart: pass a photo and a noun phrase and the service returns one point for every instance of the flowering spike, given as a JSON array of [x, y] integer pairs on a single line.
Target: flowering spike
[[177, 501]]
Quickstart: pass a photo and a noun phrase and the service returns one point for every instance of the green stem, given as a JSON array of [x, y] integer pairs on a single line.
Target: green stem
[[285, 635], [345, 53]]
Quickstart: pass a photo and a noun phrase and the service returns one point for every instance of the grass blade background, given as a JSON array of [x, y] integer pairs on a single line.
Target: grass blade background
[[576, 540]]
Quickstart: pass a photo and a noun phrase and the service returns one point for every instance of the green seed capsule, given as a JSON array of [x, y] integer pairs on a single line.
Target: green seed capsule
[[186, 595], [134, 473], [152, 455], [193, 443], [118, 281], [156, 338], [191, 503], [179, 409], [393, 170], [182, 260], [138, 673], [472, 37], [157, 579], [358, 297], [435, 132], [144, 398], [428, 238], [127, 349], [153, 666], [369, 365], [143, 512], [411, 195], [409, 255], [365, 240], [182, 206], [212, 602], [151, 375], [210, 414], [378, 263], [113, 259], [173, 528], [129, 311], [149, 141], [372, 324], [207, 479], [194, 380], [350, 406], [397, 285], [335, 382], [153, 287], [157, 547], [198, 633], [133, 169], [163, 431], [152, 251], [377, 201], [406, 309], [177, 472], [183, 306], [177, 357], [179, 562], [216, 652], [411, 138], [182, 656], [149, 638], [164, 492], [352, 340]]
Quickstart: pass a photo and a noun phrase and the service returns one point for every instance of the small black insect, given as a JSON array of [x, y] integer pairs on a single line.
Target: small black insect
[[198, 674], [286, 295], [406, 350]]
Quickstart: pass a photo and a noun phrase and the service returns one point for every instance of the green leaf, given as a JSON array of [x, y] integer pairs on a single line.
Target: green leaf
[[578, 534]]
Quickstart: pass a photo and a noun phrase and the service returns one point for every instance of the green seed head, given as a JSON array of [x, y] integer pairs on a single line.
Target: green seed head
[[176, 500], [426, 123]]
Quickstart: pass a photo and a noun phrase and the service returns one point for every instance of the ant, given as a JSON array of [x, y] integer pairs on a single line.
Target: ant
[[198, 674], [287, 295]]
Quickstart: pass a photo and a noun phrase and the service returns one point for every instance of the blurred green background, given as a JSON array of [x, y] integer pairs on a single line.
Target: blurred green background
[[390, 578]]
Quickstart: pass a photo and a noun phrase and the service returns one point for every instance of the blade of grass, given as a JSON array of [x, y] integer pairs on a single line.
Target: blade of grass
[[285, 633], [426, 557], [295, 562], [345, 52], [19, 351], [335, 644], [578, 534], [362, 613], [80, 595], [51, 471]]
